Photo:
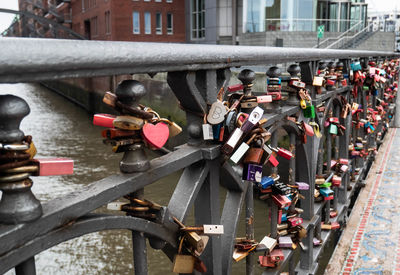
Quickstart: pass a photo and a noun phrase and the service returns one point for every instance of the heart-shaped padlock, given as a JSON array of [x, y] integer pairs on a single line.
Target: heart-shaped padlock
[[156, 135]]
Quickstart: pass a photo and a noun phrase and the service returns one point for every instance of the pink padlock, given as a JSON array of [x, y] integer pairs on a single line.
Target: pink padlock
[[54, 166]]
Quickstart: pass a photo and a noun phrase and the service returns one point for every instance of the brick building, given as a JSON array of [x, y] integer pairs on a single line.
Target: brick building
[[117, 20]]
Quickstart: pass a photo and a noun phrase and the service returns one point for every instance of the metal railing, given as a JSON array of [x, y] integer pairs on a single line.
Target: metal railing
[[349, 40], [195, 74], [324, 44], [300, 24]]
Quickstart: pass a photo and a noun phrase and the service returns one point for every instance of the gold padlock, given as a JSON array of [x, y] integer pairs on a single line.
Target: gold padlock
[[31, 151], [128, 123], [183, 263], [174, 129]]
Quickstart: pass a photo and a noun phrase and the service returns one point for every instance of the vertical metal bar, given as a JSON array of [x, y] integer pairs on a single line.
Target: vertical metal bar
[[207, 211], [336, 111], [250, 227], [26, 268], [292, 161], [274, 207], [139, 245]]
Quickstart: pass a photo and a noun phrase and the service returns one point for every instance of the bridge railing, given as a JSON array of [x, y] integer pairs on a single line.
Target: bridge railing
[[195, 74]]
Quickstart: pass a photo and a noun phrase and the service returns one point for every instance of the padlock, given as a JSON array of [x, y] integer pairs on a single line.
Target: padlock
[[208, 133], [252, 172], [174, 129], [252, 120], [248, 104], [230, 121], [281, 201], [241, 151], [233, 140], [316, 242], [336, 180], [285, 242], [128, 123], [297, 84], [281, 188], [115, 133], [264, 99], [216, 113], [333, 129], [295, 221], [183, 264], [326, 192], [213, 229], [276, 255], [32, 150], [267, 244], [302, 186], [104, 120], [344, 82], [309, 112], [318, 81], [301, 233], [155, 135], [254, 155], [217, 131], [275, 95], [53, 166], [268, 181], [308, 129], [235, 88], [264, 261], [282, 152]]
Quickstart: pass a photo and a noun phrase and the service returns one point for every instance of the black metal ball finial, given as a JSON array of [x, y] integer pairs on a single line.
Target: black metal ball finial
[[322, 66], [273, 72], [247, 76], [130, 91], [294, 70], [12, 110]]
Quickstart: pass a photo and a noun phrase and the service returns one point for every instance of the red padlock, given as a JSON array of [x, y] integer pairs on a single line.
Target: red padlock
[[104, 120], [235, 88]]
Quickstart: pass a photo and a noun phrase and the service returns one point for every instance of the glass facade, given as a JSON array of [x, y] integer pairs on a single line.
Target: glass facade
[[302, 15]]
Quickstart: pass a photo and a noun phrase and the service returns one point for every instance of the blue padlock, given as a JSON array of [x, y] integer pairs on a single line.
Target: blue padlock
[[284, 217], [375, 92], [266, 182], [216, 131], [326, 192]]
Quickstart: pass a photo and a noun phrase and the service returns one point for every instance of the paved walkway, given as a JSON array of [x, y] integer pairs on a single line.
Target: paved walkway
[[371, 242]]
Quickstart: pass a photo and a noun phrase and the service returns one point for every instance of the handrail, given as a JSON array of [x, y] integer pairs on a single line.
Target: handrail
[[340, 36], [350, 37], [77, 58]]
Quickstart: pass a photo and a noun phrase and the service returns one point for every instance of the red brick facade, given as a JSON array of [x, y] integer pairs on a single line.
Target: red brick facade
[[119, 14]]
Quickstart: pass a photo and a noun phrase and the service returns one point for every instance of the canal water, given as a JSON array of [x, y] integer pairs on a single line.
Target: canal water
[[62, 129]]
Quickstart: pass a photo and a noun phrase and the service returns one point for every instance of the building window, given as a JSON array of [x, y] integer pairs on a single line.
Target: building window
[[136, 22], [108, 22], [169, 1], [158, 23], [83, 5], [146, 0], [198, 19], [170, 24], [147, 23], [158, 0], [94, 24]]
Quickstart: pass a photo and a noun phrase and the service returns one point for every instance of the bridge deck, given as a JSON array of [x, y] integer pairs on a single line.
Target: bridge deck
[[370, 244]]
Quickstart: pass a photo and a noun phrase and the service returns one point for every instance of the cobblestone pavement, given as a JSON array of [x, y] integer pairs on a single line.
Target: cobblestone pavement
[[373, 247]]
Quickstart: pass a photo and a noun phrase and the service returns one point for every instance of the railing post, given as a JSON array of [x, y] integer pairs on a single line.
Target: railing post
[[18, 204]]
